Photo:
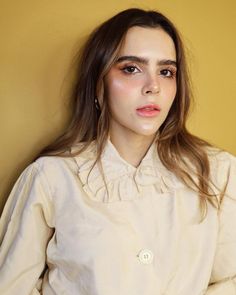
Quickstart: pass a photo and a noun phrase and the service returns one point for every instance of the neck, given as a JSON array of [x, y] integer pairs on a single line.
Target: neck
[[133, 148]]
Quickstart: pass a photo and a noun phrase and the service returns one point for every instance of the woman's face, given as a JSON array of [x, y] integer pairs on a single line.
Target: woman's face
[[141, 85]]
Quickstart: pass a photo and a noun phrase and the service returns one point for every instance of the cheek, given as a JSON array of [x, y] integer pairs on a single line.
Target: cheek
[[120, 87], [122, 95], [170, 92]]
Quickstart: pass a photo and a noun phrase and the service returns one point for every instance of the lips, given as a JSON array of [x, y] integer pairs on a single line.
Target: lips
[[150, 107], [150, 110]]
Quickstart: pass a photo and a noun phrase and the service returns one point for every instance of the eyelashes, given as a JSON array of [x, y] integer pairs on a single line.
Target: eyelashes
[[167, 72], [131, 69]]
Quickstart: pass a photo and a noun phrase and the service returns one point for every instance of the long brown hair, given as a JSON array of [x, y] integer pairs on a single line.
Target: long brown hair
[[181, 152]]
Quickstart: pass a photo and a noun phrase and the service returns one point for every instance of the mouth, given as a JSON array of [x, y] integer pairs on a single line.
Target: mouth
[[149, 107], [150, 110]]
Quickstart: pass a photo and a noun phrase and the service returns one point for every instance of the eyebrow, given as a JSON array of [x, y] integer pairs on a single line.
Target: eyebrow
[[145, 61]]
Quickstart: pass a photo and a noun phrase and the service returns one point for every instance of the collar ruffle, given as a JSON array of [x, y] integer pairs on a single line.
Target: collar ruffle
[[113, 179]]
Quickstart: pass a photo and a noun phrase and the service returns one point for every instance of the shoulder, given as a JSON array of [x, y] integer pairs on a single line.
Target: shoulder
[[220, 155], [223, 169], [54, 164], [52, 172], [55, 167], [63, 170], [220, 159]]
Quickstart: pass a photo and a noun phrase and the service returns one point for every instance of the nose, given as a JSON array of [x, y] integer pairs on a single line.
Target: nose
[[151, 86]]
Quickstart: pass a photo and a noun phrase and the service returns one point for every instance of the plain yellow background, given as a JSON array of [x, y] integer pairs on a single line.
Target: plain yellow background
[[40, 38]]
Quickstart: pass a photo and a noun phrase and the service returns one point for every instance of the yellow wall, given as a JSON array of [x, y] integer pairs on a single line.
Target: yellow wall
[[38, 40]]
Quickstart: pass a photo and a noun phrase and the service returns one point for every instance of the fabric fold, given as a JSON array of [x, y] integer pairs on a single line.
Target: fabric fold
[[105, 184]]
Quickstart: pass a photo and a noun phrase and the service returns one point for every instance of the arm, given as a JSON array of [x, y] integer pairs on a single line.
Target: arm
[[25, 229], [223, 278]]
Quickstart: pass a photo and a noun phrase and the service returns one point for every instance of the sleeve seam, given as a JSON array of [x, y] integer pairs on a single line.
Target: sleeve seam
[[44, 178]]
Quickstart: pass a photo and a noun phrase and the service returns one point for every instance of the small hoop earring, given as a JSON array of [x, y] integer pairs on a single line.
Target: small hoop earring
[[96, 104]]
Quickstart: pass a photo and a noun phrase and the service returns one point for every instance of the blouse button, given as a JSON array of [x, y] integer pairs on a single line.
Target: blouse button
[[145, 256]]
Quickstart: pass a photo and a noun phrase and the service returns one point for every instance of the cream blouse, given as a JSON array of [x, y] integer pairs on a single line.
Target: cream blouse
[[67, 230]]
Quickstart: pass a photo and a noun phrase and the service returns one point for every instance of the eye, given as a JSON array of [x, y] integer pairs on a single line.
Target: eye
[[130, 69], [169, 73]]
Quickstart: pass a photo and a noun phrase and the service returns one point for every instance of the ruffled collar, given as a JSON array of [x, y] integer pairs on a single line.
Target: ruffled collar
[[114, 179]]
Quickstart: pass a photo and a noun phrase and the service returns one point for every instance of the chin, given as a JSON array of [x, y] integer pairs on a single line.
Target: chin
[[148, 133]]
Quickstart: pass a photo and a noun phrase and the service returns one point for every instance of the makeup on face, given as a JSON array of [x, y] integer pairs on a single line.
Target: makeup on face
[[141, 84], [148, 110]]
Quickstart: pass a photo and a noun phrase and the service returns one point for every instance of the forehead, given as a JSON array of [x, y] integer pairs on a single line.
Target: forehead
[[148, 42]]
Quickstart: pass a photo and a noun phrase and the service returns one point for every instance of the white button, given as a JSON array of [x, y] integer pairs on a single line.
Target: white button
[[145, 256]]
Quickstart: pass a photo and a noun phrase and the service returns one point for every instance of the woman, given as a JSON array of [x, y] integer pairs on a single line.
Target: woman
[[126, 201]]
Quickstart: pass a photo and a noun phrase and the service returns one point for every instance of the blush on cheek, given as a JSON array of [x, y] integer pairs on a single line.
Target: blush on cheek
[[120, 88]]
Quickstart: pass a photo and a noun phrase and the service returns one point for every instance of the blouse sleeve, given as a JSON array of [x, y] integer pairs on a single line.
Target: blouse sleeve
[[223, 277], [25, 229]]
